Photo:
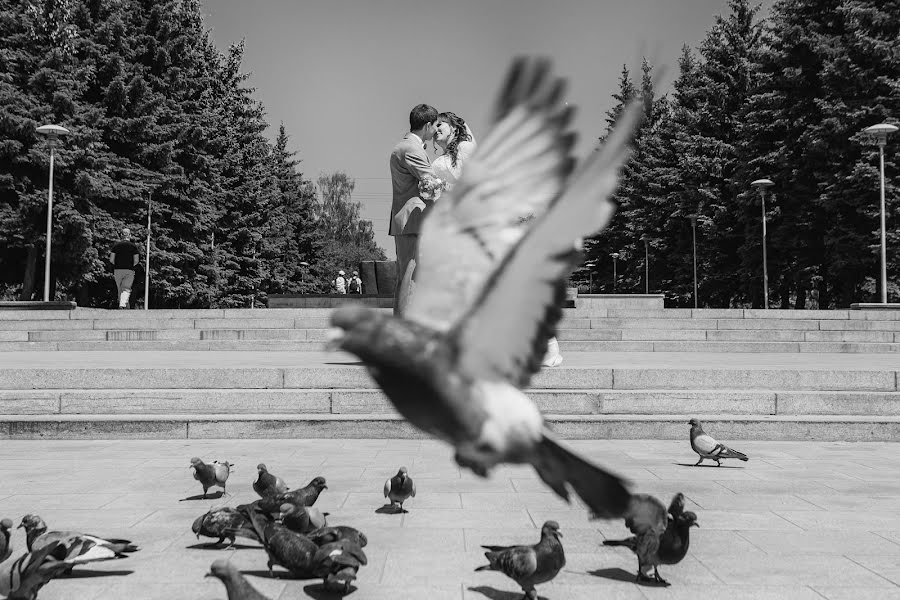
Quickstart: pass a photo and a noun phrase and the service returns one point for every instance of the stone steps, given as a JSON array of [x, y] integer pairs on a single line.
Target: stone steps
[[373, 401], [299, 345], [234, 426]]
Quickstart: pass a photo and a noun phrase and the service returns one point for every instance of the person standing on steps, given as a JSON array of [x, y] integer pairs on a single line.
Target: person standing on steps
[[124, 256]]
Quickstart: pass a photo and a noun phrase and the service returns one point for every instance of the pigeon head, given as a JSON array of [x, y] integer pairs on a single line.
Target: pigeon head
[[196, 461], [6, 524], [319, 483], [551, 528], [220, 569], [694, 423], [688, 519], [32, 523], [355, 327], [403, 473], [261, 467]]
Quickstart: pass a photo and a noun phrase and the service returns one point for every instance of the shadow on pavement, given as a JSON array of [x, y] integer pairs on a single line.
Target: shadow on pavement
[[494, 594], [212, 496], [91, 573], [318, 591]]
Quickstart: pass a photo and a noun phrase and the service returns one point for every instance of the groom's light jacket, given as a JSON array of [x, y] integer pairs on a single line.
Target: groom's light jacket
[[409, 164]]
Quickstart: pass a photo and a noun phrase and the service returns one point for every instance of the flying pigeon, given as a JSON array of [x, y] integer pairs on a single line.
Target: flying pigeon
[[707, 447], [659, 539], [305, 496], [529, 565], [399, 488], [302, 519], [235, 584], [267, 485], [5, 546], [326, 535], [209, 475], [22, 578], [80, 548], [223, 523], [489, 288]]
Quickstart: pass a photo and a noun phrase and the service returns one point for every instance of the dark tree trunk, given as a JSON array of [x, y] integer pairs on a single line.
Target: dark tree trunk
[[30, 267], [802, 287]]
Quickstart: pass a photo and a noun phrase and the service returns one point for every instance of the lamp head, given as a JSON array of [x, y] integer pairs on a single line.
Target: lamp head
[[762, 184]]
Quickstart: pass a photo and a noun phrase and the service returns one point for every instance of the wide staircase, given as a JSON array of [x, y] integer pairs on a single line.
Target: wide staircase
[[632, 370]]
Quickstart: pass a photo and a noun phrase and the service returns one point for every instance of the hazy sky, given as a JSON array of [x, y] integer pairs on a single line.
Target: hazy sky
[[342, 75]]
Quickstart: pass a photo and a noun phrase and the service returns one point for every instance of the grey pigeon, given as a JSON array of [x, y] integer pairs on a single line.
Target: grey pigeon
[[305, 496], [529, 565], [399, 488], [236, 585], [302, 519], [659, 539], [707, 447], [5, 546], [223, 523], [80, 548], [337, 563], [293, 551], [488, 291], [326, 535], [22, 578], [267, 485], [210, 475]]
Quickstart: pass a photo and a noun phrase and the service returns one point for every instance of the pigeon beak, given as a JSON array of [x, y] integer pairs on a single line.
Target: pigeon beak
[[695, 524], [559, 533], [21, 525], [334, 338], [208, 575], [324, 487]]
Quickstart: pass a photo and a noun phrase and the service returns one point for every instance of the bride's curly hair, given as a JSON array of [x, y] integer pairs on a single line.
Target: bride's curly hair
[[459, 126]]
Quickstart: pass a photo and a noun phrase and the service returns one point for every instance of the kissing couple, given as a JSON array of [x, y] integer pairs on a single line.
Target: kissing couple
[[417, 182]]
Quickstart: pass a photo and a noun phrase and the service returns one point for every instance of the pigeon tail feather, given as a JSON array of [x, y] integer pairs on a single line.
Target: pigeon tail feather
[[604, 493]]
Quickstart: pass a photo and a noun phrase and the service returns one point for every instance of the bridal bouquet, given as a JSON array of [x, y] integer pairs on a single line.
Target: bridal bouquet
[[430, 188]]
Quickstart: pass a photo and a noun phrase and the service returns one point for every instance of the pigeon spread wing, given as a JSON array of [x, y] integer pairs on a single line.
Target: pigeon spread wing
[[515, 173], [504, 334]]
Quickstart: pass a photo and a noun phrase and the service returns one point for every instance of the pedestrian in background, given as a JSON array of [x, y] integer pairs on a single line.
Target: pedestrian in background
[[124, 256]]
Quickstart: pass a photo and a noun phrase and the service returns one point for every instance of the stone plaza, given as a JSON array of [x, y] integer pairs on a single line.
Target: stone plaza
[[101, 411]]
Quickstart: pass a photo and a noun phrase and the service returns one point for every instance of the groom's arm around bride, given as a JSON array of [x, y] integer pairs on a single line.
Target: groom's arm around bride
[[409, 164]]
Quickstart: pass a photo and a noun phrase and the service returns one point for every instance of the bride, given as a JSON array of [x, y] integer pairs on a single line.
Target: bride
[[456, 142]]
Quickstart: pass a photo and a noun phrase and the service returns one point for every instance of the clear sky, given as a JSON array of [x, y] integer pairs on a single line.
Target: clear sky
[[342, 75]]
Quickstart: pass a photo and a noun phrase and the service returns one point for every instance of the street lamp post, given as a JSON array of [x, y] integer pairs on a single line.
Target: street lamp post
[[693, 219], [880, 133], [615, 257], [52, 132], [147, 266], [646, 239], [590, 265], [761, 185]]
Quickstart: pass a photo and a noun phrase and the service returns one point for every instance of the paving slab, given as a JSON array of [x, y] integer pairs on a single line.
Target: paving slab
[[758, 538]]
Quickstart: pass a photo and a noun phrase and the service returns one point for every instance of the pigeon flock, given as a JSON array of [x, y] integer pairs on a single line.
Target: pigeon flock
[[494, 256]]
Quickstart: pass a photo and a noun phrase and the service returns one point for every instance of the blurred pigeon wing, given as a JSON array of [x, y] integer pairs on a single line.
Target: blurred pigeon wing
[[504, 334], [387, 488], [646, 515], [517, 171]]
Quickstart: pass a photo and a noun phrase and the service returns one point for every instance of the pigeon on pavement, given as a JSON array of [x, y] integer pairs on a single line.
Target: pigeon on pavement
[[235, 584], [302, 519], [338, 563], [223, 523], [399, 488], [488, 290], [268, 485], [659, 539], [209, 475], [305, 496], [707, 447], [529, 565], [326, 535], [293, 551], [80, 547], [22, 578], [5, 546]]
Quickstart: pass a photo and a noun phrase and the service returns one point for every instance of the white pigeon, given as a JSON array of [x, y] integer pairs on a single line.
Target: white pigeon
[[708, 448], [489, 285], [400, 488]]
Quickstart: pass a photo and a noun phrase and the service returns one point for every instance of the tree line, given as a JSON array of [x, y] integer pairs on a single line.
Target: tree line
[[160, 121], [785, 97]]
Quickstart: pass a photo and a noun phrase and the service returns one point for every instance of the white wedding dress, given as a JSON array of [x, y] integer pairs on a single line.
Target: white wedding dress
[[444, 169]]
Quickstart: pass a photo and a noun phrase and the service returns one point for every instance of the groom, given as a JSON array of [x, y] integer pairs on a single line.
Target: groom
[[409, 165]]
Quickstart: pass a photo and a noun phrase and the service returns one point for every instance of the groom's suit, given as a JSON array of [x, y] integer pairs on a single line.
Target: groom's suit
[[409, 165]]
